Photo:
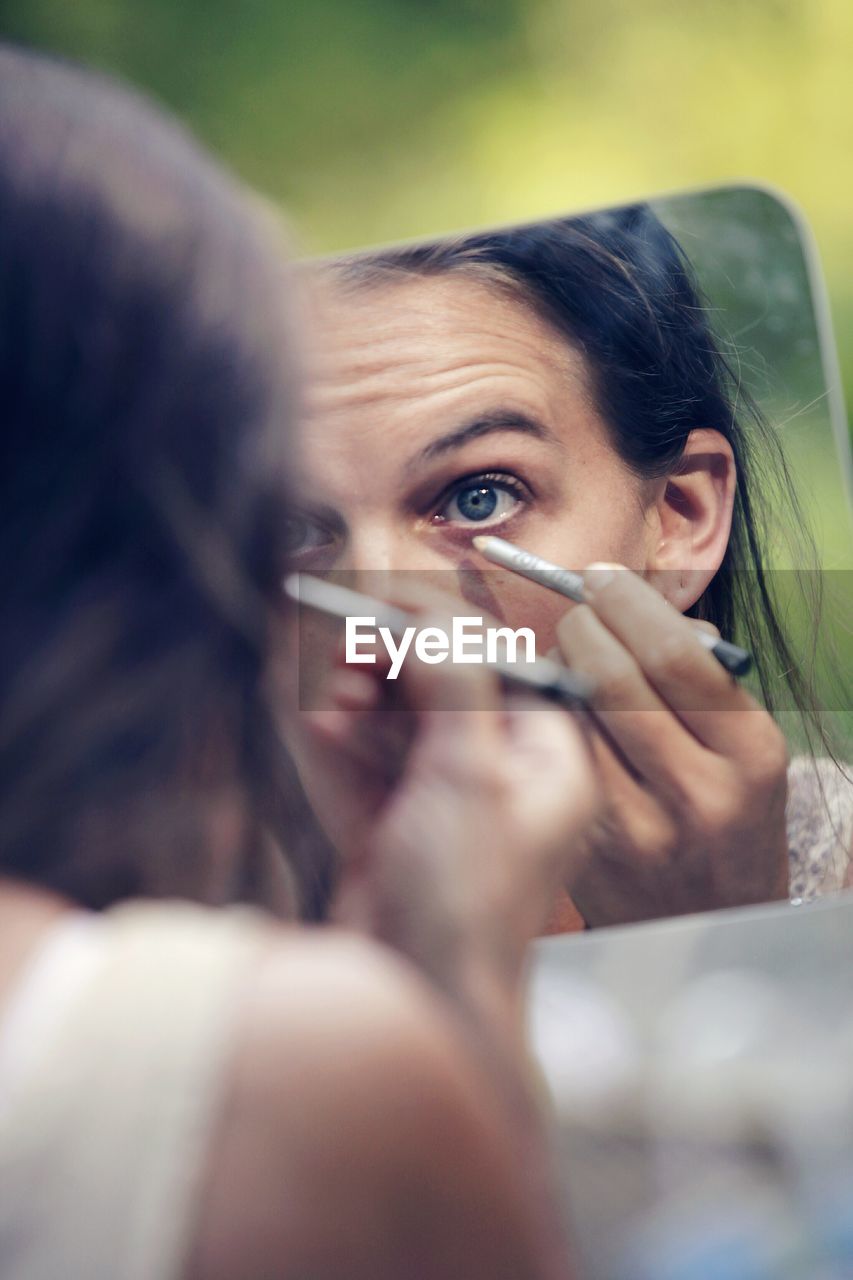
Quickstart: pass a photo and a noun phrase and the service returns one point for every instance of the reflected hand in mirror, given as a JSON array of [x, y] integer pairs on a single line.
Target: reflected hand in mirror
[[693, 769], [562, 385], [458, 814]]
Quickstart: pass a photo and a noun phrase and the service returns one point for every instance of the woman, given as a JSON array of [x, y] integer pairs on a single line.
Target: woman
[[183, 1091], [560, 385]]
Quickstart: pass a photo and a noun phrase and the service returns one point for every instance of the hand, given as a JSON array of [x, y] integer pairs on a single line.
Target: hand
[[458, 814], [459, 823], [692, 769]]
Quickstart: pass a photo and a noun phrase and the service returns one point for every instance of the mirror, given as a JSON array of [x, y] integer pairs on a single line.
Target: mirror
[[538, 384], [700, 1076]]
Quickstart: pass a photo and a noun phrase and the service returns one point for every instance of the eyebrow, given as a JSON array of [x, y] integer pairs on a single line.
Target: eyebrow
[[483, 425]]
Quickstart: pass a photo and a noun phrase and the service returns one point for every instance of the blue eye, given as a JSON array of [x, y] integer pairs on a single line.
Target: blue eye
[[481, 498], [477, 504]]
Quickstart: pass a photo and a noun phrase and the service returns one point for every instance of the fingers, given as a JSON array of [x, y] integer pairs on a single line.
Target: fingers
[[653, 741], [462, 727], [458, 706], [708, 739], [466, 727], [637, 829], [551, 770], [371, 716], [353, 720], [664, 646]]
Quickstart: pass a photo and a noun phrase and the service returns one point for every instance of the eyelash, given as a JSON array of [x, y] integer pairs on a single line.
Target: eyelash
[[500, 479]]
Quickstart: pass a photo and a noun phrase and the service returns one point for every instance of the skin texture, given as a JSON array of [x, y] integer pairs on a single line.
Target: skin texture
[[378, 1121], [349, 1094], [430, 386], [404, 367]]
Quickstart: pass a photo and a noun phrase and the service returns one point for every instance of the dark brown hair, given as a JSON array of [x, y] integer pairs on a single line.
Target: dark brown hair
[[145, 401]]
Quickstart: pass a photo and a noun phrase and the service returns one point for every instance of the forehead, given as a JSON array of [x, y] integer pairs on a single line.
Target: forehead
[[447, 340]]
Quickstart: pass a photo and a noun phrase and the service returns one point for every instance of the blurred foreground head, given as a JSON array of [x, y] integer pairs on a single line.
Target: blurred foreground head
[[144, 406]]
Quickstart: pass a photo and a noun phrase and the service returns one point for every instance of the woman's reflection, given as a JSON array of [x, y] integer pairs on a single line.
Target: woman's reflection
[[561, 385]]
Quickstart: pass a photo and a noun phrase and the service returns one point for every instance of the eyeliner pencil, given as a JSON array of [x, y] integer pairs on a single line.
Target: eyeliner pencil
[[735, 660], [542, 676]]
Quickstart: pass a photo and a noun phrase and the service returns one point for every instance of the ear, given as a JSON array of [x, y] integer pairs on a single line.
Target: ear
[[694, 510]]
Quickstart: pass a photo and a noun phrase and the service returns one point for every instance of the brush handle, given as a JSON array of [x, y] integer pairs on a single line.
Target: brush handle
[[735, 660], [730, 656], [542, 676]]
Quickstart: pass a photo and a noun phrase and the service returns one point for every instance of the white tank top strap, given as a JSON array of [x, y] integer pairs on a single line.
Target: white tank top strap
[[66, 959], [115, 1053]]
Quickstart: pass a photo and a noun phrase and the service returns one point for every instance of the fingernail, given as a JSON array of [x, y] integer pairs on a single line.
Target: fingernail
[[597, 576]]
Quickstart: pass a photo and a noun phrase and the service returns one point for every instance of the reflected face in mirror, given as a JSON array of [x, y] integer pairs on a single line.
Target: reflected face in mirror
[[563, 386], [442, 408]]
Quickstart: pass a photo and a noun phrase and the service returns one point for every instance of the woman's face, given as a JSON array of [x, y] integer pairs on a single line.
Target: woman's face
[[441, 409]]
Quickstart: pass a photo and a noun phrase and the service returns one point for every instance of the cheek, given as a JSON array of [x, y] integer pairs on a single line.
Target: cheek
[[607, 520], [609, 525], [515, 602], [536, 608]]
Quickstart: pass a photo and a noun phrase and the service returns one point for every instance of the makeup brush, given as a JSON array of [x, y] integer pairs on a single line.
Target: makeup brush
[[549, 679], [735, 660]]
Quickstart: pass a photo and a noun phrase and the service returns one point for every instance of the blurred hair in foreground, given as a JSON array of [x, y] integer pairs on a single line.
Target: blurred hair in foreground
[[146, 396]]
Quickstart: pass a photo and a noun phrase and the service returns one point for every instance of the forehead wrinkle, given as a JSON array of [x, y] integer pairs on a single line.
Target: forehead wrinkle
[[412, 381], [414, 354], [506, 318], [412, 312], [407, 349]]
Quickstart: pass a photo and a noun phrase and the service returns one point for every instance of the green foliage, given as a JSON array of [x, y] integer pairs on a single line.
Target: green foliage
[[388, 119]]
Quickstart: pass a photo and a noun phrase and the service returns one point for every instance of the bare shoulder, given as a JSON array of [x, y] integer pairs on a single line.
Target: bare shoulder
[[356, 1139]]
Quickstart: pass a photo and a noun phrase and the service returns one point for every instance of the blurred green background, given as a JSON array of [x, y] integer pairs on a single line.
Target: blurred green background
[[393, 119], [390, 119]]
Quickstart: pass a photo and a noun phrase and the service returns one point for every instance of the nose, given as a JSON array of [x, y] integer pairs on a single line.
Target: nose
[[384, 557]]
